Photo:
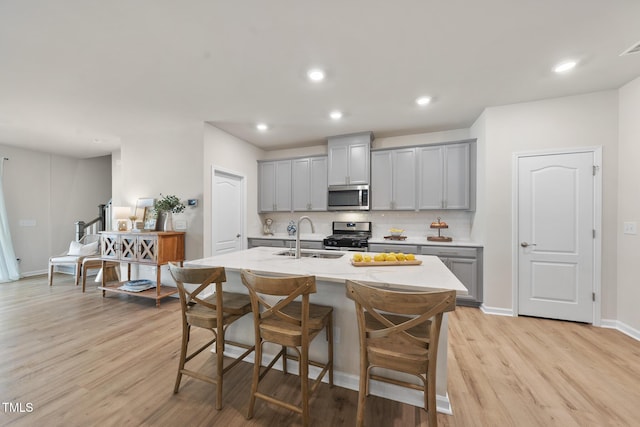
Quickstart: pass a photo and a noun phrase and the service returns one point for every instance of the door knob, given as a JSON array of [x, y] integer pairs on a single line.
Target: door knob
[[237, 235], [525, 244]]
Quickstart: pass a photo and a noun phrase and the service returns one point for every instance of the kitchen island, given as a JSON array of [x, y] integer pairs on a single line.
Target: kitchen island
[[331, 274]]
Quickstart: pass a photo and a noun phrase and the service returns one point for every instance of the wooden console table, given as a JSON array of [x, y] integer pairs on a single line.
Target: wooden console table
[[145, 248]]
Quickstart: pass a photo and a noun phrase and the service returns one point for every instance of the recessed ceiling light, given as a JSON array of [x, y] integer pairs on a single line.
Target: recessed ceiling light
[[565, 66], [336, 115], [423, 100], [316, 75], [262, 127]]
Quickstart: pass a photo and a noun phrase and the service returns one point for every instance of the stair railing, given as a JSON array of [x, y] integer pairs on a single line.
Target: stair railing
[[95, 225]]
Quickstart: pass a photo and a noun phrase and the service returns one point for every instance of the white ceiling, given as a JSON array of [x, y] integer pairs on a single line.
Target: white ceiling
[[77, 71]]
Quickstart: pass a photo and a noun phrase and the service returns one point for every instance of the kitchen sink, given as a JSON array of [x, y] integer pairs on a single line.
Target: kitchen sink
[[312, 254]]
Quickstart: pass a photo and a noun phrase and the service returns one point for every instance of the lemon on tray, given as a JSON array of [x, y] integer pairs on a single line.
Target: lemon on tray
[[357, 258]]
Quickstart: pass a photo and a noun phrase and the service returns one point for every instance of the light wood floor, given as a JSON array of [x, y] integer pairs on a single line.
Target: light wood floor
[[83, 360]]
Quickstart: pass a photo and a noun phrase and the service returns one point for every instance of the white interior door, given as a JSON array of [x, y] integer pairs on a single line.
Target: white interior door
[[556, 236], [227, 222]]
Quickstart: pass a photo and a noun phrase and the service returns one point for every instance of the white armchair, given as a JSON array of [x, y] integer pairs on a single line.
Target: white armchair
[[88, 246]]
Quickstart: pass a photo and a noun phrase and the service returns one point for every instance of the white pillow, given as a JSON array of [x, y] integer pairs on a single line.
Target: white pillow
[[78, 249]]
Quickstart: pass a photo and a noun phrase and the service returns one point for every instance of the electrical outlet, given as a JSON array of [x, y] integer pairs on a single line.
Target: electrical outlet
[[630, 228], [336, 335]]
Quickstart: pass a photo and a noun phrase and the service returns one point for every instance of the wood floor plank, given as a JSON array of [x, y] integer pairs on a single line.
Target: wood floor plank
[[84, 360]]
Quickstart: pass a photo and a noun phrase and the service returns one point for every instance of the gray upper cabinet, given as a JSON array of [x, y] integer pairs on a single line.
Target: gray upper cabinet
[[393, 179], [444, 176], [310, 184], [275, 186], [348, 158]]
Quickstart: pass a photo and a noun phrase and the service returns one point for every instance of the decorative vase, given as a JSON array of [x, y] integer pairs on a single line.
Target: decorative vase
[[291, 228], [168, 221]]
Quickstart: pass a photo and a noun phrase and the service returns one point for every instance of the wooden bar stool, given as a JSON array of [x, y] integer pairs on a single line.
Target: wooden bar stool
[[215, 313], [399, 331], [288, 323]]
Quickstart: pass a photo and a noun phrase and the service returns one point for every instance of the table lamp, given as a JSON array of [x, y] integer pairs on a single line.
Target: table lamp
[[121, 217]]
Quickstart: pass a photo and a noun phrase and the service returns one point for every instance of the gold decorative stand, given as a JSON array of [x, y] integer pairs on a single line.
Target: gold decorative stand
[[439, 225]]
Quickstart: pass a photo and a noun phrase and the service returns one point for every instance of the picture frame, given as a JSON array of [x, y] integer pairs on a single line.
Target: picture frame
[[145, 212], [150, 218]]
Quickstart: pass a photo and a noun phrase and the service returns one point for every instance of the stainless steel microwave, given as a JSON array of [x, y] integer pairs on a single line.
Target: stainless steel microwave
[[348, 198]]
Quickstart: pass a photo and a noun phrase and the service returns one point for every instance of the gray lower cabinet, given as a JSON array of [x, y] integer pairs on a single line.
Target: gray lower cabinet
[[466, 265], [284, 243], [275, 243]]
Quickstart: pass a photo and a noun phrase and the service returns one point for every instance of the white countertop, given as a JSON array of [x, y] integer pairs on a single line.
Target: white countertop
[[431, 274]]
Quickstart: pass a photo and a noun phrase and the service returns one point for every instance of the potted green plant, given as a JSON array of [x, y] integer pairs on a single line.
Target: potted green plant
[[168, 205]]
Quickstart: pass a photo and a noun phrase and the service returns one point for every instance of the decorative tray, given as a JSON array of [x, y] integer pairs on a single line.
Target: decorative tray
[[384, 263], [395, 237]]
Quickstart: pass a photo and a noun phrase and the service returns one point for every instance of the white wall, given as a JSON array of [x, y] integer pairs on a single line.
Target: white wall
[[45, 195], [629, 205], [577, 121], [228, 153], [479, 132], [168, 161]]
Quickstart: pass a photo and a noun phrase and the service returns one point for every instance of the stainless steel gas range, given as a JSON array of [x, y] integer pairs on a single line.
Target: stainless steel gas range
[[349, 236]]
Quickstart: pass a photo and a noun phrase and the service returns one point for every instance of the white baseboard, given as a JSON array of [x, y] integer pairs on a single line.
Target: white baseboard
[[349, 381], [622, 327], [496, 311], [605, 323], [33, 273]]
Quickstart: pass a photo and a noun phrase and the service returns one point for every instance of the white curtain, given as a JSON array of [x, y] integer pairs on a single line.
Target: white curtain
[[8, 263]]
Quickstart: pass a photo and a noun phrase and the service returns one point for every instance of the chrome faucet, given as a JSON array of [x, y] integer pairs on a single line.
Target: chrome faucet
[[313, 230]]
